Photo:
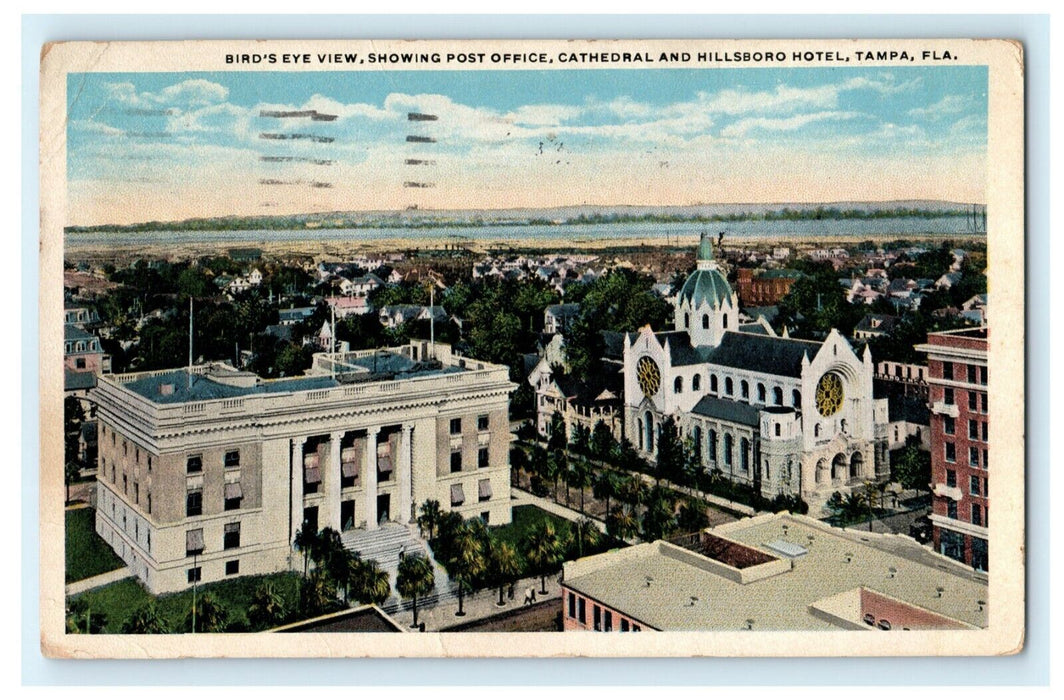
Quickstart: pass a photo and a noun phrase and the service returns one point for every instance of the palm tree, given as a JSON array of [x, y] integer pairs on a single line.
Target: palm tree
[[146, 620], [585, 534], [317, 594], [632, 492], [415, 578], [266, 608], [369, 583], [505, 565], [429, 517], [580, 477], [622, 523], [306, 541], [210, 616], [545, 549], [467, 560], [330, 556], [605, 486]]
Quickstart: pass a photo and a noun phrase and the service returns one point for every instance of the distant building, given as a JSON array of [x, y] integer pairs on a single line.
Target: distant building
[[558, 317], [874, 326], [773, 572], [766, 288], [960, 423]]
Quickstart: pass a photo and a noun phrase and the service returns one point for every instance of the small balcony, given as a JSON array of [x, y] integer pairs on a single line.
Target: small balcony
[[945, 409]]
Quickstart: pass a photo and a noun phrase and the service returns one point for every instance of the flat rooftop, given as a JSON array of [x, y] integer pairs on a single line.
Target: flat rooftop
[[223, 382], [672, 588]]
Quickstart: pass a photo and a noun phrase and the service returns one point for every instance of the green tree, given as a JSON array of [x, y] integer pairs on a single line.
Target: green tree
[[80, 619], [586, 535], [659, 520], [415, 578], [306, 541], [544, 550], [71, 473], [369, 582], [317, 594], [580, 477], [504, 564], [605, 486], [692, 517], [912, 467], [146, 620], [558, 438], [210, 615], [622, 523], [671, 457], [467, 561], [429, 517], [267, 608], [603, 444]]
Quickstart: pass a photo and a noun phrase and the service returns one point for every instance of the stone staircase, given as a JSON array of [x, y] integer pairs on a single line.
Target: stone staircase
[[383, 546]]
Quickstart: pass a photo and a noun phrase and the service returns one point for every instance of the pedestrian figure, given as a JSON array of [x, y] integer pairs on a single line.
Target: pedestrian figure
[[402, 552], [530, 595], [510, 593]]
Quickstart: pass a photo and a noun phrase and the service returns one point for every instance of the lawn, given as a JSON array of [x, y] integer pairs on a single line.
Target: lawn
[[86, 553], [527, 517], [120, 600]]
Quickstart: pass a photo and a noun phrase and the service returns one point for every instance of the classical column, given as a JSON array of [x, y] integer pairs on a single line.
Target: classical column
[[296, 515], [331, 485], [369, 476], [405, 478]]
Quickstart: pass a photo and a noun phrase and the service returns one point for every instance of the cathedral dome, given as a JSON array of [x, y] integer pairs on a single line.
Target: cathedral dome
[[706, 285]]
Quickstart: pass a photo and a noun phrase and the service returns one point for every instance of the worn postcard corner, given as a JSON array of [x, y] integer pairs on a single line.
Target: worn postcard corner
[[532, 348]]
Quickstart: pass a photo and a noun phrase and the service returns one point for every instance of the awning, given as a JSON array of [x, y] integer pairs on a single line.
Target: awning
[[384, 463], [232, 527], [349, 470], [457, 495], [484, 489], [311, 460], [194, 541], [233, 491], [351, 454], [312, 475]]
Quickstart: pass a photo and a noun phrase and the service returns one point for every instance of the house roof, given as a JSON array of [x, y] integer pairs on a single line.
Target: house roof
[[761, 353], [730, 411]]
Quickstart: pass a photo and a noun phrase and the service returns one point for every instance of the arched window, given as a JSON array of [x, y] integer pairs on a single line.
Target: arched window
[[760, 392], [796, 398], [744, 454], [768, 474], [777, 396], [713, 383], [777, 429], [729, 387], [639, 424], [816, 430], [696, 382], [728, 444], [705, 321], [713, 445], [744, 389], [677, 386], [725, 321], [649, 428], [686, 320], [842, 425], [696, 442]]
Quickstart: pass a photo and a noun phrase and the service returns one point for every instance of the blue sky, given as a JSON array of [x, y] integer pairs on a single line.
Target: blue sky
[[145, 146]]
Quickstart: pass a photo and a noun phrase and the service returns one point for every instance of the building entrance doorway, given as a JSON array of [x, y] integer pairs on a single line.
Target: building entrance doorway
[[347, 515], [383, 508]]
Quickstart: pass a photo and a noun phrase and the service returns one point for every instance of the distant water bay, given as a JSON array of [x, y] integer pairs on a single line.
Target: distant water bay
[[573, 233]]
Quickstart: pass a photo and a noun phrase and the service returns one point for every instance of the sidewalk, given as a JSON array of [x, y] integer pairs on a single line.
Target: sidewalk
[[478, 606], [97, 581], [522, 497]]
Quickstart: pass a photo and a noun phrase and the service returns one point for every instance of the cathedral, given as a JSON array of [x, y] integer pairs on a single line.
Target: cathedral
[[786, 416]]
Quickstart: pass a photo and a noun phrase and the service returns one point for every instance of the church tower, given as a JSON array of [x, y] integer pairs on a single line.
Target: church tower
[[706, 306]]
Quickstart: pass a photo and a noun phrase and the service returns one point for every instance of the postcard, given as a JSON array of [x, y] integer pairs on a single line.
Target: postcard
[[532, 348]]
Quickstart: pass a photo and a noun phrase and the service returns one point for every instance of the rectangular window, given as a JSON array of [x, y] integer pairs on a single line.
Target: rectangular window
[[624, 624], [951, 452], [597, 615], [581, 611], [951, 478], [232, 568], [986, 404], [637, 628], [456, 426], [973, 485], [194, 503], [456, 462], [195, 575], [194, 464], [80, 363], [982, 375], [125, 484], [608, 623], [149, 464], [482, 423], [973, 456], [149, 504], [231, 538], [986, 462], [977, 514], [947, 370], [947, 396], [973, 374], [973, 429], [986, 430], [951, 510], [232, 458], [973, 401], [136, 493], [233, 495], [482, 458], [572, 605], [949, 426]]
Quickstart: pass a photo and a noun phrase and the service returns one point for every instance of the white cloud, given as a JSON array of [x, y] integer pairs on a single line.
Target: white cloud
[[950, 104], [744, 126]]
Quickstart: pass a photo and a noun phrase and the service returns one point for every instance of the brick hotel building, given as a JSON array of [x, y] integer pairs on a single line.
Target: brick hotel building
[[960, 423]]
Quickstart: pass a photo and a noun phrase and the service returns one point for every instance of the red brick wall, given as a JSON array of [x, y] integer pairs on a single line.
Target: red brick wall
[[902, 615], [572, 623]]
